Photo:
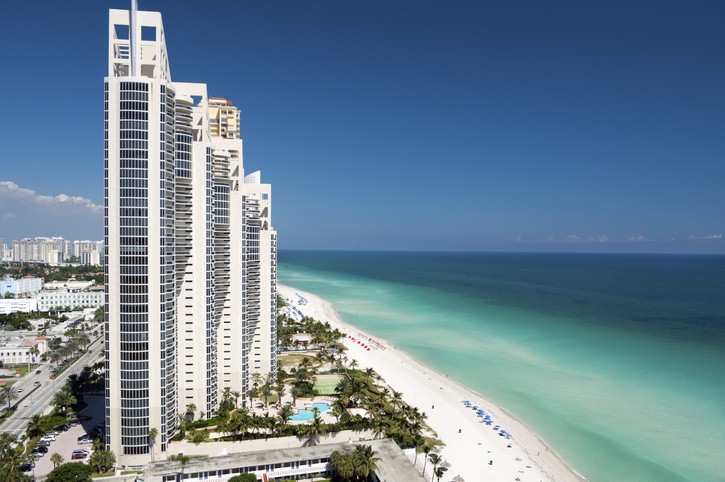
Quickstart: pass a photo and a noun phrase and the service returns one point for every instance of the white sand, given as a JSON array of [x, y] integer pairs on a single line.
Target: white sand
[[470, 451]]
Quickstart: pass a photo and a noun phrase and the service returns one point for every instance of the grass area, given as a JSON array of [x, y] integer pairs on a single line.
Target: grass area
[[325, 384], [289, 361]]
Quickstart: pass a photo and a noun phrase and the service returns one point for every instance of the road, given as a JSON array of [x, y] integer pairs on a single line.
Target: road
[[36, 399]]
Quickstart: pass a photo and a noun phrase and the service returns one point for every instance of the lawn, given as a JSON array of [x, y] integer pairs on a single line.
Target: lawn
[[325, 384]]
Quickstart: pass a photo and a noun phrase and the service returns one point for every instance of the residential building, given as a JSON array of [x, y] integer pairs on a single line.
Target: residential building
[[40, 249], [175, 246], [261, 269]]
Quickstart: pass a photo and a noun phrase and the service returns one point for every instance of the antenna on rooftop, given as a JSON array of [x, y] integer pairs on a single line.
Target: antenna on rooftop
[[133, 39]]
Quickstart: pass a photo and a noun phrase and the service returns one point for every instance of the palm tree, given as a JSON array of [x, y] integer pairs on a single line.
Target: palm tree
[[236, 394], [153, 432], [183, 459], [32, 351], [55, 357], [64, 399], [227, 396], [190, 410], [8, 394], [353, 364], [265, 390], [295, 392], [285, 412], [438, 473], [11, 457], [35, 426], [57, 459], [365, 460], [426, 451], [280, 390], [435, 460], [314, 429], [82, 341]]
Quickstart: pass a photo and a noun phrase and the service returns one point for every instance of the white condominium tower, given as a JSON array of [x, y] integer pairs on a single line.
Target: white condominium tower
[[190, 267], [261, 271]]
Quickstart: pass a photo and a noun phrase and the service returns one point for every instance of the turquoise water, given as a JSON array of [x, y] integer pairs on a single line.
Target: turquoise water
[[304, 415], [618, 361]]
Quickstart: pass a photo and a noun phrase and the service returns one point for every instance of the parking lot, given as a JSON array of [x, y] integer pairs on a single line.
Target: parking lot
[[66, 442]]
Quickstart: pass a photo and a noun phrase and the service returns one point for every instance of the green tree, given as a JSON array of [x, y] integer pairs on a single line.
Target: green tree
[[199, 437], [344, 464], [64, 399], [365, 461], [438, 473], [70, 472], [102, 460], [8, 394], [426, 450], [244, 478], [190, 409], [153, 433], [314, 429], [435, 459], [284, 413], [57, 459], [35, 426], [11, 454]]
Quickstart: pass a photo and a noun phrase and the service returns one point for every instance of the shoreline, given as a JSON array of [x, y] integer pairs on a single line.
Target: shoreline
[[472, 448]]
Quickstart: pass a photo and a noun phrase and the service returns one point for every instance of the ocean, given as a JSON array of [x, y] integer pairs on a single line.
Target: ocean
[[617, 361]]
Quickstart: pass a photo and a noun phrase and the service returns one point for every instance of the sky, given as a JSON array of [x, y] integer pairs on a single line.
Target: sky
[[404, 125]]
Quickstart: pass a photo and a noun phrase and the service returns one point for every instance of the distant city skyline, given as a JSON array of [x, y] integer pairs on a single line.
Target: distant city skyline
[[406, 125]]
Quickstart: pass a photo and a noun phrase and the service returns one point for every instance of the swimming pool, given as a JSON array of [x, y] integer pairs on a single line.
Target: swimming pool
[[303, 415]]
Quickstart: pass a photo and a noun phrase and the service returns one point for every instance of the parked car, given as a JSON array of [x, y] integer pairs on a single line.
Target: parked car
[[26, 466], [85, 440], [43, 444], [62, 427], [48, 438], [79, 454], [85, 417]]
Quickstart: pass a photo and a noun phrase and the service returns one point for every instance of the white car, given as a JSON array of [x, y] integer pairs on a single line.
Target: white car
[[20, 389], [48, 438]]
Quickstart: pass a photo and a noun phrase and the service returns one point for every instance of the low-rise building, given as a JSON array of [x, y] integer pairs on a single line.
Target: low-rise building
[[300, 463], [19, 350], [72, 299], [23, 305], [18, 286]]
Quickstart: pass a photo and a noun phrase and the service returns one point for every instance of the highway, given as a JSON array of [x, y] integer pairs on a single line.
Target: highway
[[36, 399]]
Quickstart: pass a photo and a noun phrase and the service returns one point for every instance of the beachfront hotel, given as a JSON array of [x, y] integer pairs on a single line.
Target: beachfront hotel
[[190, 253]]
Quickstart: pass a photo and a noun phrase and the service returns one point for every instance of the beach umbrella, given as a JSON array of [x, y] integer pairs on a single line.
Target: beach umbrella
[[445, 465], [458, 478]]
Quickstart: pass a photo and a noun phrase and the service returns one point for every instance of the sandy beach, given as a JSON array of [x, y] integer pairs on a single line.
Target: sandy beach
[[474, 450]]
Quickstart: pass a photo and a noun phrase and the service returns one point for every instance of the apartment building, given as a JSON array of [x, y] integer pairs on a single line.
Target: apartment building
[[176, 245]]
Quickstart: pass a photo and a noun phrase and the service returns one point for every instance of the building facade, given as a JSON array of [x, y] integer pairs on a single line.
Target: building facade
[[20, 286], [22, 351], [175, 245], [69, 299]]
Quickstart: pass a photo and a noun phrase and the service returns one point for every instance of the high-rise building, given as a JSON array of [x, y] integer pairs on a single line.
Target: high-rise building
[[186, 287], [261, 270]]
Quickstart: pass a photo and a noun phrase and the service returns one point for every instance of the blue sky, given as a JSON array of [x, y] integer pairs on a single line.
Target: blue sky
[[529, 125]]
